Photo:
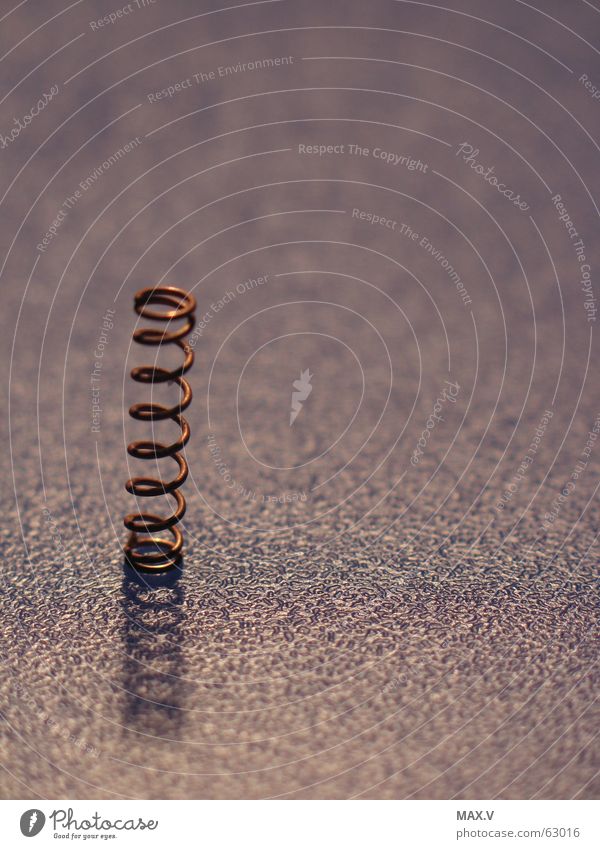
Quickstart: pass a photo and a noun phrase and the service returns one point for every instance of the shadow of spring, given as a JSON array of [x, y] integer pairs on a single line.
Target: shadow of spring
[[153, 669]]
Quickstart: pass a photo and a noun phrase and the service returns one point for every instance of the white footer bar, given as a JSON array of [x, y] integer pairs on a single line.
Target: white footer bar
[[302, 824]]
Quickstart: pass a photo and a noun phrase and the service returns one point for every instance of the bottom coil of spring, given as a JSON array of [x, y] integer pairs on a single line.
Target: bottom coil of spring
[[163, 552]]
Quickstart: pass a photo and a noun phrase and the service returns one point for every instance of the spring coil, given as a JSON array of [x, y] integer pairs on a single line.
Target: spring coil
[[143, 549]]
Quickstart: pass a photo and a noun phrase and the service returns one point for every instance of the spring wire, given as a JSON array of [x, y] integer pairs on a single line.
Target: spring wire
[[144, 549]]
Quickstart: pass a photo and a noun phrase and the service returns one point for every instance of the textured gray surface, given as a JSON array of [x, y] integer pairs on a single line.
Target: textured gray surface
[[392, 634]]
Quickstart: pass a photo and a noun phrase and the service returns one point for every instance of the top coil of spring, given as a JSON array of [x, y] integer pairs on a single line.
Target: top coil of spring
[[182, 303]]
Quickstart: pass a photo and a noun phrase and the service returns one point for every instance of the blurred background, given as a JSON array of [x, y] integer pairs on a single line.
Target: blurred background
[[393, 204]]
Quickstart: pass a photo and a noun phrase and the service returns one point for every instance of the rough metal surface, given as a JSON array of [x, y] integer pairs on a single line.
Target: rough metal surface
[[387, 631]]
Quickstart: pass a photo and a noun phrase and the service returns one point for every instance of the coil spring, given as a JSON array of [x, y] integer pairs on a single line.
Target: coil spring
[[143, 548]]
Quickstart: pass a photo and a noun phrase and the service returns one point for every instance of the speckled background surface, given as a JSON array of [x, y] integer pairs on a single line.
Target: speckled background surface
[[346, 623]]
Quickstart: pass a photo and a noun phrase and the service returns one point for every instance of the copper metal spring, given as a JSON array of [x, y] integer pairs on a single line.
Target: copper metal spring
[[144, 549]]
